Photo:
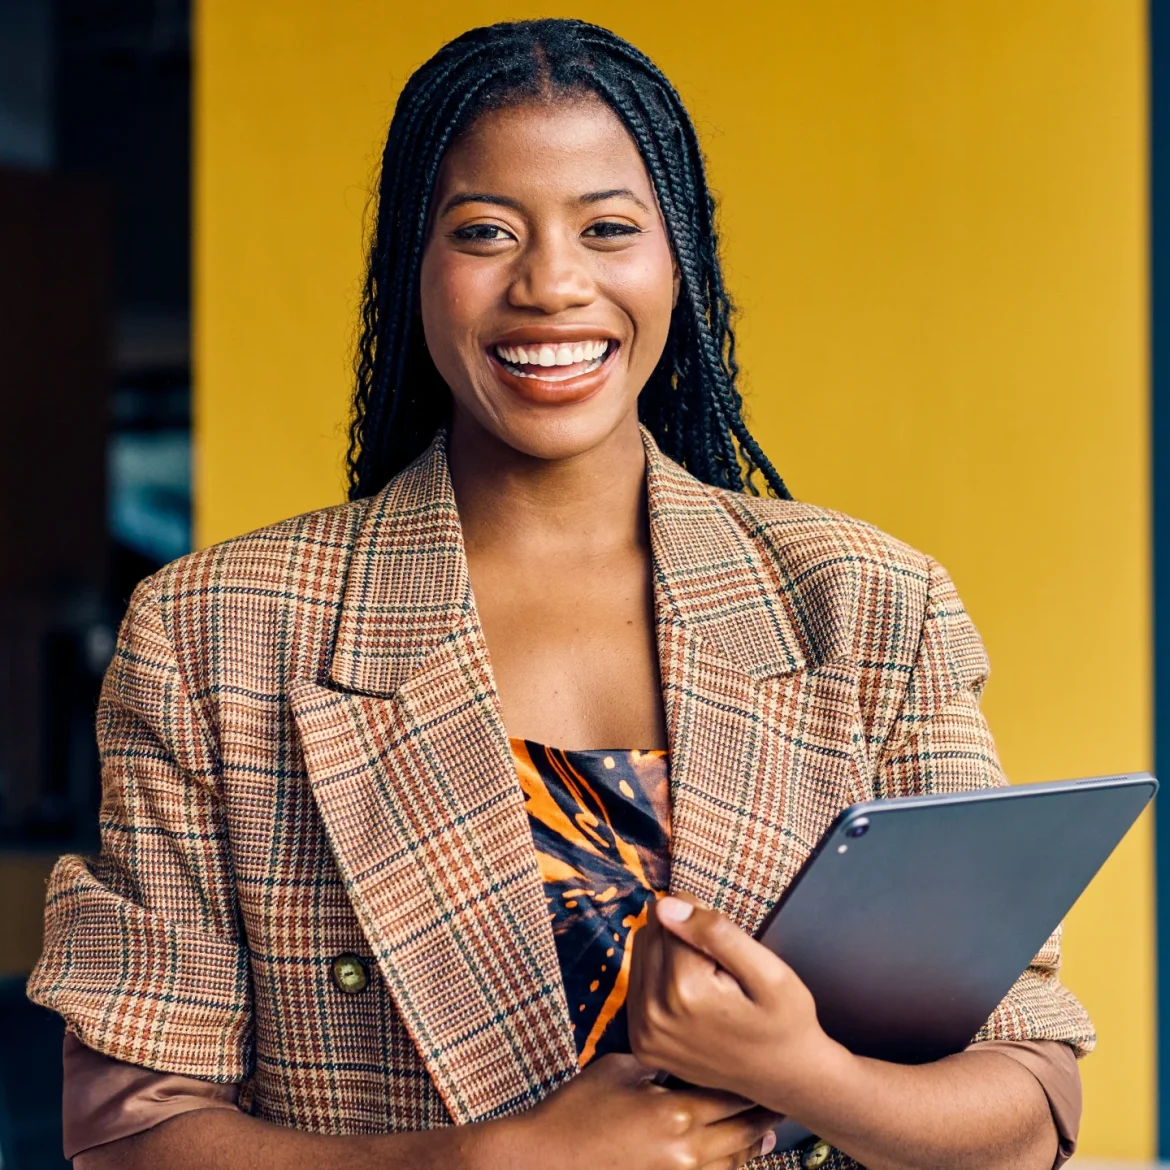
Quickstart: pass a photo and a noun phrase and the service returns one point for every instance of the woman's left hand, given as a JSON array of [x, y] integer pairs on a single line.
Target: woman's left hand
[[714, 1007]]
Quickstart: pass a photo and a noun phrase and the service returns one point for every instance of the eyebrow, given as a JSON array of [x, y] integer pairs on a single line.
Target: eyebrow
[[614, 193], [515, 205], [479, 197]]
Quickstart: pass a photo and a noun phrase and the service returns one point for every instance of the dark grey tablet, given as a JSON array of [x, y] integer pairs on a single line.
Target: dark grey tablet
[[914, 916]]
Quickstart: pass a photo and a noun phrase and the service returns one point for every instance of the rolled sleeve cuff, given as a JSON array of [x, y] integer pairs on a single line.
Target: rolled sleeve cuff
[[106, 1099], [1054, 1065]]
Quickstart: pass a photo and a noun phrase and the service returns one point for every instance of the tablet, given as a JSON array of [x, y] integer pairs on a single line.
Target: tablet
[[914, 916]]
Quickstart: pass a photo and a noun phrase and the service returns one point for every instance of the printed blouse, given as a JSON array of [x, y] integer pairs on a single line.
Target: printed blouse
[[600, 822]]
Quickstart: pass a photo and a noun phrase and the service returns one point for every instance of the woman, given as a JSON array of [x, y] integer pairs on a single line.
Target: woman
[[391, 789]]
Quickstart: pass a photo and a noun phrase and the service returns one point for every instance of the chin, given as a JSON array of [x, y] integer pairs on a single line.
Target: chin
[[565, 432]]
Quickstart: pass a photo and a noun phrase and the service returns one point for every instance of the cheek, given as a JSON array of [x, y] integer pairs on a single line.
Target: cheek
[[645, 288], [453, 295]]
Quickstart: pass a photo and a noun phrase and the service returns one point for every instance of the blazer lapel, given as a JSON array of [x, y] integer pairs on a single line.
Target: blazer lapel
[[412, 772], [763, 738]]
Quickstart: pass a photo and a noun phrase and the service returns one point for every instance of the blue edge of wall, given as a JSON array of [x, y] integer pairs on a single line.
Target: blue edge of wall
[[1159, 220]]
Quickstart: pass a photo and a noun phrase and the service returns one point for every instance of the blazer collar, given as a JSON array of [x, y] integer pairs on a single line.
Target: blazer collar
[[408, 590]]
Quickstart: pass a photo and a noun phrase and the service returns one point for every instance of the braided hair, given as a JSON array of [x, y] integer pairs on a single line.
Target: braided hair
[[690, 403]]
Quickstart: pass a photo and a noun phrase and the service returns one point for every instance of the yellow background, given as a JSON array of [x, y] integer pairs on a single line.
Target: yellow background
[[935, 225]]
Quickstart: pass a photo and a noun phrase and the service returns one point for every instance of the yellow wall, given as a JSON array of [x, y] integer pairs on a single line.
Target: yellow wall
[[23, 877], [936, 229]]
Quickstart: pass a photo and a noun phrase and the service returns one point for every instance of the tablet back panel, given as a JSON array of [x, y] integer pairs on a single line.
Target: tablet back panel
[[909, 935]]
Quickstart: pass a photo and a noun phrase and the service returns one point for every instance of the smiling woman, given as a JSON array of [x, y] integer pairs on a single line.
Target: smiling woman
[[395, 793]]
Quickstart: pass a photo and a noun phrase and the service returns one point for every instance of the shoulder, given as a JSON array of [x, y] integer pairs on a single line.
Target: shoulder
[[867, 599], [833, 588], [231, 601], [807, 539], [863, 600], [844, 579], [315, 543]]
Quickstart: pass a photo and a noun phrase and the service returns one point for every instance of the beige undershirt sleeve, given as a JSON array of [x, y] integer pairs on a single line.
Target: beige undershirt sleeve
[[1054, 1065], [106, 1099]]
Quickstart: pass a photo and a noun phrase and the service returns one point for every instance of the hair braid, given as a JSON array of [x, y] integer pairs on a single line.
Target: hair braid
[[690, 403], [395, 414], [715, 457]]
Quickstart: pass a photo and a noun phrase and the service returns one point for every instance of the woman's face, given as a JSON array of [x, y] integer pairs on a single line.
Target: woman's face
[[548, 279]]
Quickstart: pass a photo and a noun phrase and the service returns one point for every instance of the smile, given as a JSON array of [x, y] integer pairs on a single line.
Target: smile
[[569, 359]]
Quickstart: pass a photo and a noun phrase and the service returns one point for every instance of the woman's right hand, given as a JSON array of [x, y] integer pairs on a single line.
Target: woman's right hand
[[612, 1116]]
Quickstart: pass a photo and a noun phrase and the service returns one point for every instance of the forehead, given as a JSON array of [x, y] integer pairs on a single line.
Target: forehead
[[576, 145]]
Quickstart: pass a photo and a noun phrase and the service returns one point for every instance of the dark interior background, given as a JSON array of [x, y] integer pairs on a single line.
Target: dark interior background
[[94, 442]]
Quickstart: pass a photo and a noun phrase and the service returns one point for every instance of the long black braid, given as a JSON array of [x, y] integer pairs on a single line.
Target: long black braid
[[690, 403]]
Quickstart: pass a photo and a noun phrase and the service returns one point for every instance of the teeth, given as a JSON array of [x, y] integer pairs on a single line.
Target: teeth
[[595, 364], [568, 354]]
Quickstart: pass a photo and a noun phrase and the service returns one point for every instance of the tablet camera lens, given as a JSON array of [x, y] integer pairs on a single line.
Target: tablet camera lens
[[859, 828]]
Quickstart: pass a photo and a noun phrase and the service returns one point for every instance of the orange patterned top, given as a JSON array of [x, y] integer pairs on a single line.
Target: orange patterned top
[[601, 826]]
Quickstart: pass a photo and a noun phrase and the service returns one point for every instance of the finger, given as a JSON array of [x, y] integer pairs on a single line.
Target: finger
[[680, 963], [653, 936], [686, 977], [646, 962], [748, 962], [764, 1146], [736, 1134], [714, 1106], [623, 1068], [735, 1161], [647, 942]]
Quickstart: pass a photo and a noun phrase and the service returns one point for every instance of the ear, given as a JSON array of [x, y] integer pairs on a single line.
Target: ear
[[676, 284]]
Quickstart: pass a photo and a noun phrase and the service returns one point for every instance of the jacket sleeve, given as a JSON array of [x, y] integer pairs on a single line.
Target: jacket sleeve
[[940, 742], [143, 954]]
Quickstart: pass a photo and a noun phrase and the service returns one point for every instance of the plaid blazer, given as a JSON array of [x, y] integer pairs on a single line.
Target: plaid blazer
[[303, 756]]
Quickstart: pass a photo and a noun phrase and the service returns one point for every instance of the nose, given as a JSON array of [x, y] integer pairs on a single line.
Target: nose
[[551, 276]]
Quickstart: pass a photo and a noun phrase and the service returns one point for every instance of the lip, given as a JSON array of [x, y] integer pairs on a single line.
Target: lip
[[537, 391], [552, 335]]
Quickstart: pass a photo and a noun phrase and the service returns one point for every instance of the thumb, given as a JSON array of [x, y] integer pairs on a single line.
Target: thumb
[[717, 937]]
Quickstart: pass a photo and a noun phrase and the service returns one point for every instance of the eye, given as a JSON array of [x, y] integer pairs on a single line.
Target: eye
[[610, 229], [481, 233]]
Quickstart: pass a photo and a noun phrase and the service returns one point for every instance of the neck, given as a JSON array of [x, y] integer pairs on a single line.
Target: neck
[[516, 503]]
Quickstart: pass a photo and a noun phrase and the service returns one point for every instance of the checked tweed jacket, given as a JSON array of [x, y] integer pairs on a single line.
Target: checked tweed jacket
[[303, 755]]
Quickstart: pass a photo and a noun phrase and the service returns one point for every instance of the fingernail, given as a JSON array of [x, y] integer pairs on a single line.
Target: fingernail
[[674, 909], [768, 1144]]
